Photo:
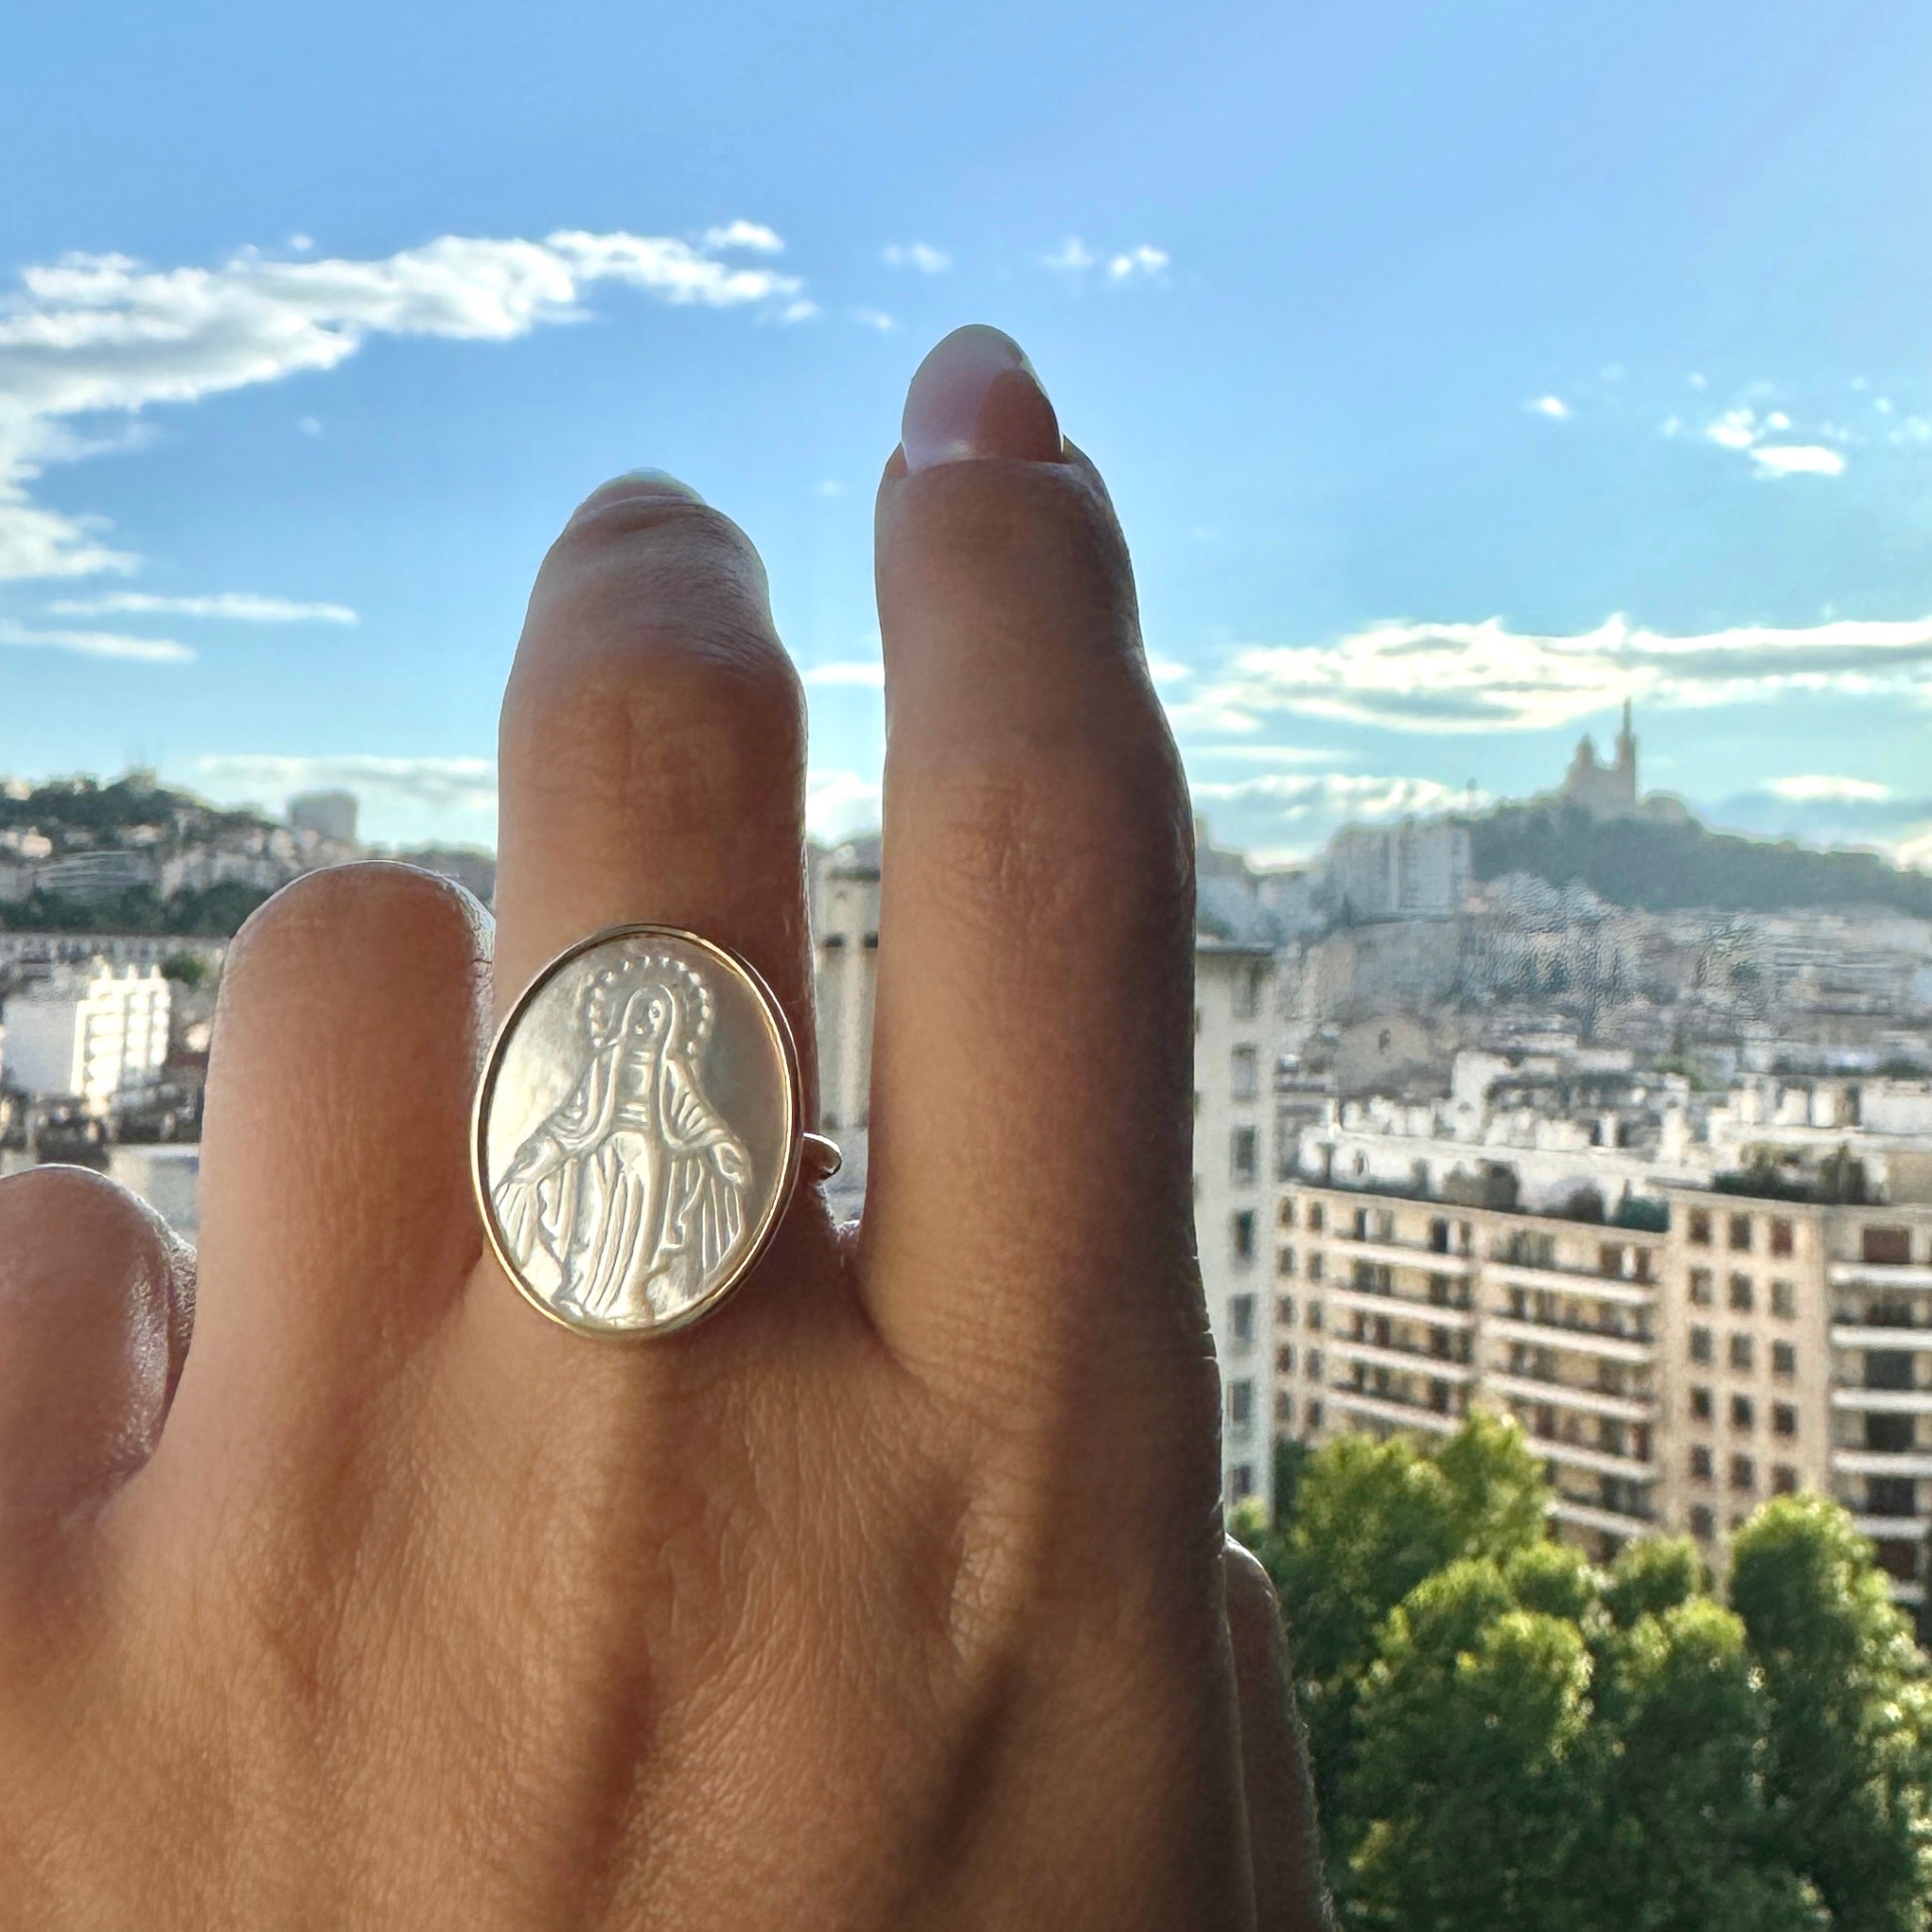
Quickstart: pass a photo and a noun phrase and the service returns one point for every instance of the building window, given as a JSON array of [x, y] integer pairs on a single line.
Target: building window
[[1313, 1270], [1242, 1320], [1241, 1407], [1244, 1157], [1784, 1418], [1241, 1481], [1314, 1217], [1784, 1358], [1782, 1237], [1741, 1232], [1315, 1412], [1888, 1247], [1314, 1375], [1703, 1525], [1698, 1230], [1284, 1409], [1741, 1353], [1246, 995], [1700, 1287], [1315, 1316], [1284, 1214], [1700, 1405], [1700, 1463], [1785, 1300], [1741, 1294], [1744, 1473], [1284, 1262], [1284, 1310], [1284, 1360], [1742, 1414], [1784, 1480], [1700, 1344], [1241, 1226], [1244, 1073]]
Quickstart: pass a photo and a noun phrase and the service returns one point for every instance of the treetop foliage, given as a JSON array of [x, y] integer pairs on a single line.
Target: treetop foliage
[[1507, 1738]]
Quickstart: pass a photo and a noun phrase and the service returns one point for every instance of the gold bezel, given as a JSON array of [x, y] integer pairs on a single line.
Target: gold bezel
[[781, 1032]]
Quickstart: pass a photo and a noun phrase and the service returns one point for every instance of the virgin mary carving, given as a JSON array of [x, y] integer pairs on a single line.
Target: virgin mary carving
[[634, 1187]]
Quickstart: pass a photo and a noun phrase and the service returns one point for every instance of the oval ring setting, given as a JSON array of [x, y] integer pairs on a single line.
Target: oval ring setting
[[636, 1137]]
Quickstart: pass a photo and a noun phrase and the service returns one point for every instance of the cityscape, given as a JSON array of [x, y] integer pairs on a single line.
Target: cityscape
[[1479, 1124]]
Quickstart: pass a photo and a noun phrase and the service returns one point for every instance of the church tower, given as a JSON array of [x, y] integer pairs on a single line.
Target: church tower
[[1626, 763]]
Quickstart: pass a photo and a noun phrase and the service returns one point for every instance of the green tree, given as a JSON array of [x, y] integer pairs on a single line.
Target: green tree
[[1371, 1521], [1507, 1738], [1850, 1765], [1473, 1775]]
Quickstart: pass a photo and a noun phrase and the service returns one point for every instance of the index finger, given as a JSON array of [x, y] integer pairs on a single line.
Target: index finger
[[1030, 1202]]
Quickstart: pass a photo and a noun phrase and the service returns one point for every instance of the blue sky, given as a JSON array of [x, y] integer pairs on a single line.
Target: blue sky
[[1458, 372]]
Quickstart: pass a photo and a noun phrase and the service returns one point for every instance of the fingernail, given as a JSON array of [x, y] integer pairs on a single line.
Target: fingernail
[[976, 395], [635, 483]]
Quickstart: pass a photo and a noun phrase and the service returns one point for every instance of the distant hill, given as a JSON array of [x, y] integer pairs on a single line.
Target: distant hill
[[1662, 865]]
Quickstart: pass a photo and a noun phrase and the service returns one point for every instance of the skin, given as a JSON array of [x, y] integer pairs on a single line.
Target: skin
[[895, 1594]]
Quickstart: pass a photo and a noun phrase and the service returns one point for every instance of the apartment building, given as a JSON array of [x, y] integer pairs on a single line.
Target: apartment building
[[1234, 1109], [845, 931], [87, 1033], [1671, 1378]]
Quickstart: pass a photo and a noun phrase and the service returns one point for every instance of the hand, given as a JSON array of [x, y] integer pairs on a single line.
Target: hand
[[893, 1596]]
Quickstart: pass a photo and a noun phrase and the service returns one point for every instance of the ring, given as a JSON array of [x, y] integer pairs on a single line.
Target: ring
[[636, 1138]]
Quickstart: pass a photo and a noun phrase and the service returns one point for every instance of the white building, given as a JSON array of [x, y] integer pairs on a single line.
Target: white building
[[332, 815], [1236, 1044], [87, 1034], [1421, 869], [844, 935]]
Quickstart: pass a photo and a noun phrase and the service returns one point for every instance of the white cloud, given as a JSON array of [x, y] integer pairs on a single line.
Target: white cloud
[[243, 606], [103, 332], [798, 310], [875, 318], [1072, 256], [98, 644], [840, 803], [1413, 676], [1168, 669], [1744, 430], [310, 426], [863, 672], [752, 236], [828, 486], [1797, 458], [1552, 406], [1142, 261], [465, 785], [1343, 795], [1809, 787], [1697, 379], [302, 244], [916, 254]]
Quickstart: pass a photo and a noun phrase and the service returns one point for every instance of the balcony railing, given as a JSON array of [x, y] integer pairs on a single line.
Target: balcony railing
[[1397, 1308], [1577, 1281], [1589, 1337], [1880, 1275], [1601, 1461], [1593, 1516], [1389, 1408], [1860, 1461], [1884, 1401], [1405, 1360], [1345, 1246], [1892, 1528], [1881, 1335], [1534, 1388]]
